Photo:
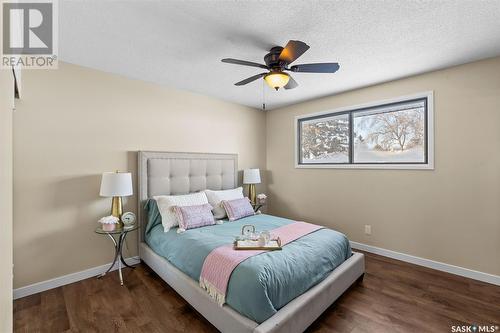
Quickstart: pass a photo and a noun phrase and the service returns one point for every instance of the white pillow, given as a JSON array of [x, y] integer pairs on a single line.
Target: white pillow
[[215, 198], [166, 202]]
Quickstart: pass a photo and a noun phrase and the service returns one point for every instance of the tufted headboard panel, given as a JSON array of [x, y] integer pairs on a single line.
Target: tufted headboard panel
[[168, 173]]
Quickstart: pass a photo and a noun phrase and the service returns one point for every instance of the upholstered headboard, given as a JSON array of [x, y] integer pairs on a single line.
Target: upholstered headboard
[[168, 173]]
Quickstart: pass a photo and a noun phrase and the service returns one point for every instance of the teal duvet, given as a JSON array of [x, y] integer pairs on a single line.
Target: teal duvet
[[260, 285]]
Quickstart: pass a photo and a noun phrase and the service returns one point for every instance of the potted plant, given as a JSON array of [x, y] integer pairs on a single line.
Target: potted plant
[[261, 199], [109, 223]]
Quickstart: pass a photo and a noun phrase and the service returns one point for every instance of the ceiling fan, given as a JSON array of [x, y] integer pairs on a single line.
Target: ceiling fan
[[278, 61]]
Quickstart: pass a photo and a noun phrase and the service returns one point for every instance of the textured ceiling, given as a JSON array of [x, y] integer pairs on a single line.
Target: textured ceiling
[[180, 44]]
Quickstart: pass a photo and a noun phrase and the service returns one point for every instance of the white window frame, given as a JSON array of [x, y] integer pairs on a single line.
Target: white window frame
[[430, 136]]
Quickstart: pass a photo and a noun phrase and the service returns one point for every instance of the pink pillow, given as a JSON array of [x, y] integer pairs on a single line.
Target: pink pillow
[[191, 217], [238, 208]]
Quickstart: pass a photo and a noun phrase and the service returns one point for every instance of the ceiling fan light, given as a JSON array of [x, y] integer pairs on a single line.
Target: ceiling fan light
[[277, 80]]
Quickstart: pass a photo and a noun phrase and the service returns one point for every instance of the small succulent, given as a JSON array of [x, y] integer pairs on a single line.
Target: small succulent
[[109, 220]]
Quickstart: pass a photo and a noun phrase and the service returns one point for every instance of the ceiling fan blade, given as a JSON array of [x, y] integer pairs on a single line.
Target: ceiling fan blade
[[243, 62], [291, 83], [293, 50], [250, 79], [327, 67]]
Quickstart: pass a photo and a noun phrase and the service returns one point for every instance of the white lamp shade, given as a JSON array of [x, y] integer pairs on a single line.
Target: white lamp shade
[[251, 176], [116, 184]]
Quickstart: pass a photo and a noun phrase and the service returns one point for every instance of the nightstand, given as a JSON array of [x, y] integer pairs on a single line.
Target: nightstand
[[118, 238]]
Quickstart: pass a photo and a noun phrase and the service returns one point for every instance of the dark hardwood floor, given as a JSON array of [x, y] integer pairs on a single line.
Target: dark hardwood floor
[[393, 297]]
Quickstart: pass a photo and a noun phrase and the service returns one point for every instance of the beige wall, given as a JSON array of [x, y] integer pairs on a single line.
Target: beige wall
[[6, 104], [74, 123], [451, 214]]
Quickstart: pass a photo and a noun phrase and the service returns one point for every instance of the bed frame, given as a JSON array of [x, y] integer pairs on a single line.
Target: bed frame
[[165, 173]]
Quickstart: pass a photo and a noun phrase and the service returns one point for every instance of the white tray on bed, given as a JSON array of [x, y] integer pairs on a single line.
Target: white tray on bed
[[249, 244]]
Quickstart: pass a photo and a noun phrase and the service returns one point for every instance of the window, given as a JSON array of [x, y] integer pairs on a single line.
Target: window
[[392, 134]]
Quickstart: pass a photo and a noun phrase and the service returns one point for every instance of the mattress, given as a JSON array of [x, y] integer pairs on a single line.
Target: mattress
[[262, 284]]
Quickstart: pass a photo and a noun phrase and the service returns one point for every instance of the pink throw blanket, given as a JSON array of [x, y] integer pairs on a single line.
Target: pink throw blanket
[[220, 263]]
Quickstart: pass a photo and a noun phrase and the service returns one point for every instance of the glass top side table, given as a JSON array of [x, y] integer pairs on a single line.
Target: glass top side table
[[118, 238]]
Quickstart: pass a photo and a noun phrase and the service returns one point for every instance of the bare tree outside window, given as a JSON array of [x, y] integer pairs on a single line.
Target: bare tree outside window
[[390, 137]]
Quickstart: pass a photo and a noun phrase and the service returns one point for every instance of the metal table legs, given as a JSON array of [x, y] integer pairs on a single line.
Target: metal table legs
[[118, 256]]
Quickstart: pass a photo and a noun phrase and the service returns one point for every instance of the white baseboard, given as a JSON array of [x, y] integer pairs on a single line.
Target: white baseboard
[[465, 272], [67, 279]]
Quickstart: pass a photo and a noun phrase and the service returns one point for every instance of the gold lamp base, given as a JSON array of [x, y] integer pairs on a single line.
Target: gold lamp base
[[117, 209], [252, 194]]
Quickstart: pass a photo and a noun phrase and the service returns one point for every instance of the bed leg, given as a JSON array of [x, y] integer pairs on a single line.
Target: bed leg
[[360, 279]]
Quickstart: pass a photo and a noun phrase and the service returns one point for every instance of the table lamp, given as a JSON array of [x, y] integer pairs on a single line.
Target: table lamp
[[251, 177], [116, 185]]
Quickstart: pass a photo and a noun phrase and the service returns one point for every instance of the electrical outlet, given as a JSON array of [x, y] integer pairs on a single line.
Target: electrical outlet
[[368, 229]]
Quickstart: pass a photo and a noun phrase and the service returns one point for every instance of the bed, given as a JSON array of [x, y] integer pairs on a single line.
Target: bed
[[165, 173]]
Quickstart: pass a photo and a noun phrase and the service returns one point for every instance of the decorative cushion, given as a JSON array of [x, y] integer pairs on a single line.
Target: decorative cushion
[[238, 208], [191, 217], [215, 198], [167, 202]]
